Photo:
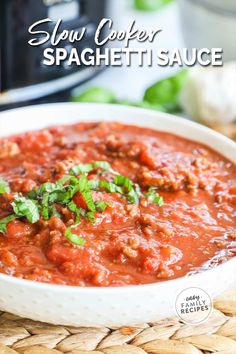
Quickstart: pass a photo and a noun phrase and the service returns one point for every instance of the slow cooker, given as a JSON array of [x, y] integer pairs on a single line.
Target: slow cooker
[[23, 76]]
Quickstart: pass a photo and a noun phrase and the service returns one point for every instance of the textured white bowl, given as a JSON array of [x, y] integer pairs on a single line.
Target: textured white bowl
[[108, 306]]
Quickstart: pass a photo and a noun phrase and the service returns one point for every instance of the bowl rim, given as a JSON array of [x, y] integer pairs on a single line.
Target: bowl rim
[[174, 118], [125, 288], [109, 290]]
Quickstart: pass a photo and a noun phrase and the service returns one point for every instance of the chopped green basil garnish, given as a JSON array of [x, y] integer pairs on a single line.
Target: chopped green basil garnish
[[45, 206], [73, 207], [27, 208], [81, 168], [110, 187], [79, 241], [43, 202], [5, 221], [101, 206], [4, 186], [90, 215], [130, 190], [83, 188], [124, 182], [84, 168], [154, 197], [102, 164], [94, 184]]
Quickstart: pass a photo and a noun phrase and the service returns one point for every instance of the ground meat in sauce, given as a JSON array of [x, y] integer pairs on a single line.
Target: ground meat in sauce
[[129, 244]]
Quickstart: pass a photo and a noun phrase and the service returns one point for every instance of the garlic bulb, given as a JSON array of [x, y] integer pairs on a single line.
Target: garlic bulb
[[209, 95]]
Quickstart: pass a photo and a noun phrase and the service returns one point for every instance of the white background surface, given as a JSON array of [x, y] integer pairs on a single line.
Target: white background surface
[[130, 82]]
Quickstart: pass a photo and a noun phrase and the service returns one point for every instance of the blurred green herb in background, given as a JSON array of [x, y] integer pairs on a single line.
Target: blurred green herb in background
[[166, 92], [161, 96], [96, 95], [150, 5]]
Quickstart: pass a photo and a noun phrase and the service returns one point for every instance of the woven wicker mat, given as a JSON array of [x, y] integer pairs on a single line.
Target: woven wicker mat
[[168, 336]]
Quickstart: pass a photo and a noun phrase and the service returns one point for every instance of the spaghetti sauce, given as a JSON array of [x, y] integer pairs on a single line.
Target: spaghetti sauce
[[126, 242]]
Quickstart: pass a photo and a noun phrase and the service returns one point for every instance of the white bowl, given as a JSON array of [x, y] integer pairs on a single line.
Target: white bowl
[[117, 306]]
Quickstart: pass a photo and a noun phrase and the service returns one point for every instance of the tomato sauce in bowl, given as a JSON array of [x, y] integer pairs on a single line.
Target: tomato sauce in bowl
[[166, 208]]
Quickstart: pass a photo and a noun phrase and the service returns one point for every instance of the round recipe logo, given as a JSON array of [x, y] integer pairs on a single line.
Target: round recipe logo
[[193, 305]]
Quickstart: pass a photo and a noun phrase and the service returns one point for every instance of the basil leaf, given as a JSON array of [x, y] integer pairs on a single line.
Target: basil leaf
[[54, 212], [73, 207], [47, 187], [133, 197], [102, 164], [60, 196], [82, 212], [166, 92], [90, 215], [131, 191], [33, 194], [154, 197], [4, 186], [88, 198], [105, 166], [124, 182], [150, 5], [101, 206], [27, 208], [110, 187], [81, 168], [82, 184], [45, 206], [86, 192], [5, 221], [96, 94], [86, 168], [93, 184], [123, 186], [63, 180], [74, 238]]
